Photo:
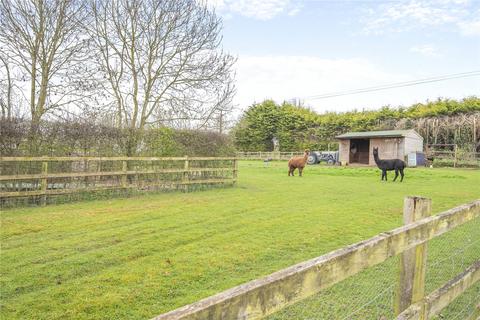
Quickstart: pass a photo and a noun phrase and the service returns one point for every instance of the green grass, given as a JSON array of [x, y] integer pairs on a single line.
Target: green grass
[[138, 257]]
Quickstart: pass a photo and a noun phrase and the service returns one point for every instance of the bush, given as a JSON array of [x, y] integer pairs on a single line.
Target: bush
[[170, 142], [86, 138]]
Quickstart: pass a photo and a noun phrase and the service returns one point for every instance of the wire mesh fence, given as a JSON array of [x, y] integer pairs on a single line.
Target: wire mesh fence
[[371, 293], [378, 278], [367, 295], [451, 253], [448, 256], [27, 181], [465, 307]]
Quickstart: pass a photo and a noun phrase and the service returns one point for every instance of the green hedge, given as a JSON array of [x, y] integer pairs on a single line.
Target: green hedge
[[90, 139]]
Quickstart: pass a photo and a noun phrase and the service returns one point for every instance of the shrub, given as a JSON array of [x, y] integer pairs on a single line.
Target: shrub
[[86, 138]]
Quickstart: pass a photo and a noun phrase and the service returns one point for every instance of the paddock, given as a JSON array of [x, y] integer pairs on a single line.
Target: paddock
[[144, 255], [357, 147]]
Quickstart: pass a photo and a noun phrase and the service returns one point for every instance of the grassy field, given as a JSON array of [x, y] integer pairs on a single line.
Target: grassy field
[[138, 257]]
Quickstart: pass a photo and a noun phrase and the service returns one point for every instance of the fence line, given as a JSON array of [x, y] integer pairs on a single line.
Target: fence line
[[6, 159], [262, 297], [264, 155], [471, 159], [46, 176]]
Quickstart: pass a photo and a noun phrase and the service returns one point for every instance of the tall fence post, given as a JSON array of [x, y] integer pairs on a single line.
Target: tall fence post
[[185, 174], [124, 176], [413, 262], [44, 183]]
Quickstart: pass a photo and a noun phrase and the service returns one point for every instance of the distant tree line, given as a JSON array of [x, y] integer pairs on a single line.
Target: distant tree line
[[444, 121]]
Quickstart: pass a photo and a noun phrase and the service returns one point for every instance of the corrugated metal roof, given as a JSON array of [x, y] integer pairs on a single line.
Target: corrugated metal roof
[[376, 134]]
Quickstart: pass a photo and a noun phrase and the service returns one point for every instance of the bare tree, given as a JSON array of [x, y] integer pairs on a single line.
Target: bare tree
[[6, 87], [222, 120], [162, 62], [47, 48]]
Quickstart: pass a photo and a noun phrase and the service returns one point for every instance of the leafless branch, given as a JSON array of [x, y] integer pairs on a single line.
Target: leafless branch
[[162, 60]]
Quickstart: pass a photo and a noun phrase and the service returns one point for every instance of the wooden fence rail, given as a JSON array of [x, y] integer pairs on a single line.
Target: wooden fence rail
[[435, 302], [264, 155], [262, 297], [471, 158], [85, 174]]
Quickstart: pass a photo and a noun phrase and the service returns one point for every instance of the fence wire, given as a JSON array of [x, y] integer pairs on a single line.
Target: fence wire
[[367, 295], [145, 176], [464, 307], [449, 255], [370, 294]]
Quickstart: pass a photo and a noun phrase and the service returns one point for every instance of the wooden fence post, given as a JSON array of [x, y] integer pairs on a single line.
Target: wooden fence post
[[86, 165], [185, 174], [44, 183], [413, 262], [455, 156], [124, 176], [235, 170]]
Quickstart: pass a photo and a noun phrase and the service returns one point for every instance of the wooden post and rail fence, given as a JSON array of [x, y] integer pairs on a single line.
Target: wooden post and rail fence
[[46, 176], [265, 296], [267, 155], [452, 153]]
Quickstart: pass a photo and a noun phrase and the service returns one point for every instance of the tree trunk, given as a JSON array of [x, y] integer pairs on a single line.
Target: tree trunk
[[33, 134], [133, 138]]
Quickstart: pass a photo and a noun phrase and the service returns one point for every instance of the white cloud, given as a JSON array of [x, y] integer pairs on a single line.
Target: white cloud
[[286, 77], [426, 50], [294, 11], [283, 78], [256, 9], [470, 28], [414, 14]]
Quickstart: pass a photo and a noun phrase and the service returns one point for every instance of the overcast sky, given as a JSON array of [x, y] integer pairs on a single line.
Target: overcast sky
[[300, 48]]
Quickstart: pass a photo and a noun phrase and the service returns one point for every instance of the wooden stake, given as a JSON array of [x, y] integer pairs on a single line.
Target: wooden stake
[[124, 176], [44, 183], [411, 286], [474, 135], [455, 155], [235, 170], [186, 174]]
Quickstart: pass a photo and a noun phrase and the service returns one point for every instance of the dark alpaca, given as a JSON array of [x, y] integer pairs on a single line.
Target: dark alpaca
[[298, 162], [389, 165]]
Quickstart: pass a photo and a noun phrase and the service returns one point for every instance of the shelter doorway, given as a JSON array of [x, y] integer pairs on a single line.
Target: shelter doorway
[[359, 151]]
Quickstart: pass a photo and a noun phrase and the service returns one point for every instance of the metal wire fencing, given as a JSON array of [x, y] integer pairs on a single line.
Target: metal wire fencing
[[32, 181], [378, 278], [367, 295], [371, 293], [449, 255]]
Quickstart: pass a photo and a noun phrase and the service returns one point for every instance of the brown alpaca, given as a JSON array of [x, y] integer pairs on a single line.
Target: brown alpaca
[[298, 162]]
